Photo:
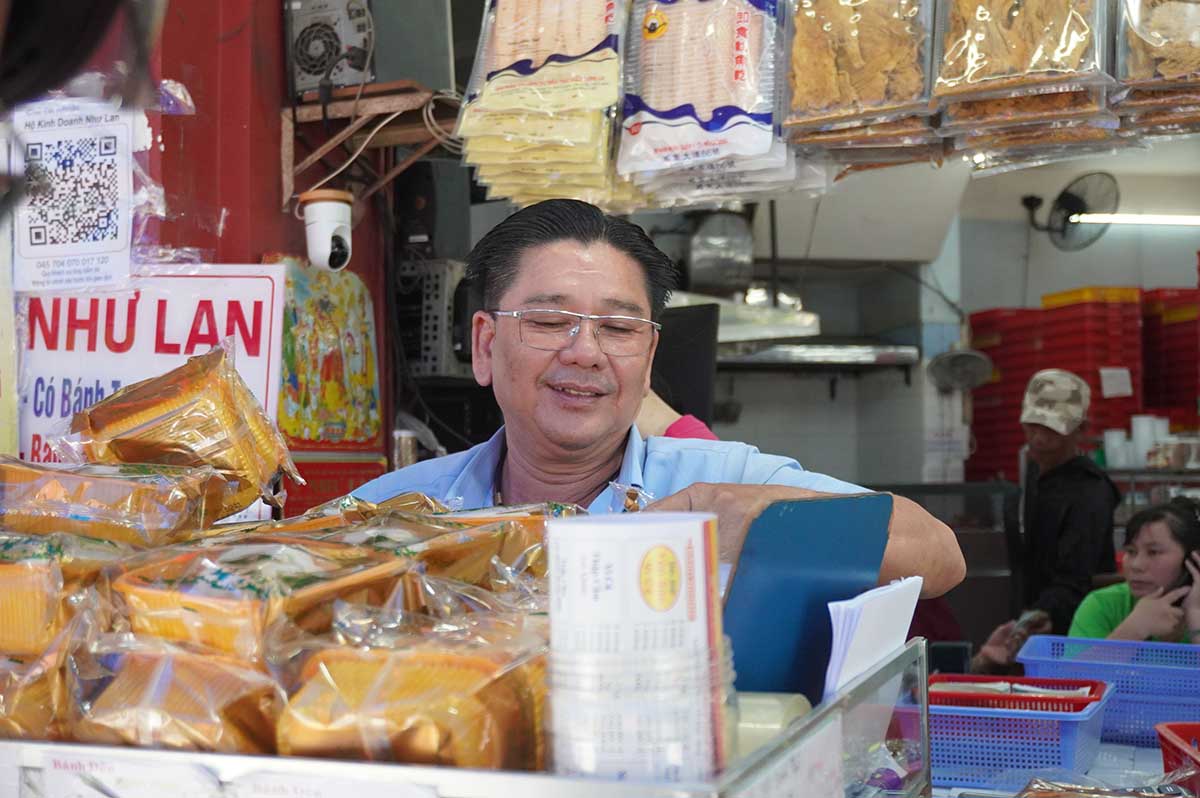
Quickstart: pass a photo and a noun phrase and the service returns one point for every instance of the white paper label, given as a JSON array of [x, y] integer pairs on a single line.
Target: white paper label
[[813, 769], [1115, 383], [73, 224], [10, 769], [107, 776], [299, 785]]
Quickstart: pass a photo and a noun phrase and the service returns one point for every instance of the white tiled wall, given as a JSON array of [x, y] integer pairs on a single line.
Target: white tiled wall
[[792, 415]]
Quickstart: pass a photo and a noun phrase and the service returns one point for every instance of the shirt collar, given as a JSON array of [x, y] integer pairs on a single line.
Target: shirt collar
[[476, 483]]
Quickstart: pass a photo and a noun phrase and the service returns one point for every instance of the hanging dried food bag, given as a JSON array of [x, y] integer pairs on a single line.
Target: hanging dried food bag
[[1158, 45], [1138, 101], [547, 56], [864, 60], [1007, 48], [700, 82], [1034, 109]]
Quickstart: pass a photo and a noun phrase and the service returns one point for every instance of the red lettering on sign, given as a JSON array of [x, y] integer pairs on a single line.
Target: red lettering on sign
[[90, 322], [251, 334], [161, 346], [110, 338], [38, 321], [206, 337]]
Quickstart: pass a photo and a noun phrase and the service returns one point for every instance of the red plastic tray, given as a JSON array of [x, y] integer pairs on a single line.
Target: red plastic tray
[[1179, 743], [1035, 703]]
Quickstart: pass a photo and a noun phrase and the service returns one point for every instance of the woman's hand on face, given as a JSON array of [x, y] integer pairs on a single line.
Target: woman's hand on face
[[1191, 604], [1155, 616]]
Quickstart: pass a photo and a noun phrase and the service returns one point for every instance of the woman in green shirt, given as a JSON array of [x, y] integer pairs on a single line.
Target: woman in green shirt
[[1160, 599]]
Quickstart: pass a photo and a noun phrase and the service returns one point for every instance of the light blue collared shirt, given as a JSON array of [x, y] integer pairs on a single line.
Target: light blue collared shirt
[[659, 466]]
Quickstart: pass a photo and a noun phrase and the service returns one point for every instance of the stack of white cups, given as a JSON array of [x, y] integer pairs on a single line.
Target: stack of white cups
[[639, 670]]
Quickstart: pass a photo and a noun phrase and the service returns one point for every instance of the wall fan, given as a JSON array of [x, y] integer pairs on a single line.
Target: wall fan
[[1095, 192], [959, 370]]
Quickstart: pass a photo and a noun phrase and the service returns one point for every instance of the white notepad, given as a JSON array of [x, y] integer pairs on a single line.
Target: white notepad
[[867, 629]]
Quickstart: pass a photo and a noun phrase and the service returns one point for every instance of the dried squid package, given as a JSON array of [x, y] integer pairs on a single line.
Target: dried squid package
[[141, 505], [864, 60], [702, 82], [1007, 48], [1034, 109], [130, 690], [461, 696], [1158, 45], [224, 597], [200, 414], [906, 131], [548, 56], [1034, 137], [41, 577], [1139, 101]]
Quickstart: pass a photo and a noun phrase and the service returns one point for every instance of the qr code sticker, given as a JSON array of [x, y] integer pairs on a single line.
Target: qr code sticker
[[74, 191]]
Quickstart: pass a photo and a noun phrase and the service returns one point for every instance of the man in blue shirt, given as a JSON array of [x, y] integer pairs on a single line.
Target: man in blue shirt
[[566, 341]]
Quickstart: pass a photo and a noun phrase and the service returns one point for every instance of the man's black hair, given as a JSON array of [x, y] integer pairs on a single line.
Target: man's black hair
[[492, 265]]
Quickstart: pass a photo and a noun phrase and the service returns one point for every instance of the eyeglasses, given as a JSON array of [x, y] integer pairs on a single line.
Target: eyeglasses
[[555, 330]]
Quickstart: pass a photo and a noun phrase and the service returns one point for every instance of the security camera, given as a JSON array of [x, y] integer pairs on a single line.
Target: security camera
[[327, 227]]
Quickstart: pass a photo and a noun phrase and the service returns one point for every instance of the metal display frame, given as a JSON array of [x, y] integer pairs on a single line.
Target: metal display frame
[[896, 688]]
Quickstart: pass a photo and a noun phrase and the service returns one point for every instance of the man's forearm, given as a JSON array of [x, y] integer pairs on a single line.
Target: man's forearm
[[920, 545]]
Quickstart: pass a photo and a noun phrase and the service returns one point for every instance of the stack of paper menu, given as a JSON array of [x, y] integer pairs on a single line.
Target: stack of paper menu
[[867, 629]]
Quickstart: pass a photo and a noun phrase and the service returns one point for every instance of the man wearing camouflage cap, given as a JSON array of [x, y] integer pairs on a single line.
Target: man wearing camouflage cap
[[1069, 501]]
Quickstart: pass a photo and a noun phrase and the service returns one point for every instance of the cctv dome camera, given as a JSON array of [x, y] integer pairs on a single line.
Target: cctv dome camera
[[327, 227]]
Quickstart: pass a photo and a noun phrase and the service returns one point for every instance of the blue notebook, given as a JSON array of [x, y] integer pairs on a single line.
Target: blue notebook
[[799, 556]]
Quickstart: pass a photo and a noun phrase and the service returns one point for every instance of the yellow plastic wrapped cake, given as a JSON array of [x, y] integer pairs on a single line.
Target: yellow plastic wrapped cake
[[139, 505], [201, 413], [225, 596], [148, 694], [417, 706]]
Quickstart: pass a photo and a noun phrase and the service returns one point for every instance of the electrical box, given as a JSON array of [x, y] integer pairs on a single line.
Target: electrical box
[[319, 31], [435, 318]]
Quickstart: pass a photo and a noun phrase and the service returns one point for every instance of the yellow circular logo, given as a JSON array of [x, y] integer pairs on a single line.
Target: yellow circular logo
[[660, 578], [654, 25]]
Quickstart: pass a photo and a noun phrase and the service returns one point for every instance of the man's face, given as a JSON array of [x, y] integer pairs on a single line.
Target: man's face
[[580, 397], [1048, 448]]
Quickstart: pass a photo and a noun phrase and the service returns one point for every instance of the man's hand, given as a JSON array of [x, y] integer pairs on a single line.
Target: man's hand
[[1154, 616], [736, 507], [918, 544]]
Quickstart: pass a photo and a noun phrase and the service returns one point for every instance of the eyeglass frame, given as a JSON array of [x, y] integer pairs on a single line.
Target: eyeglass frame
[[655, 327]]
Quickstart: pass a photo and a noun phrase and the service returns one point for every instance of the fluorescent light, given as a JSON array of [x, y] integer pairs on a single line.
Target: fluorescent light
[[1137, 218]]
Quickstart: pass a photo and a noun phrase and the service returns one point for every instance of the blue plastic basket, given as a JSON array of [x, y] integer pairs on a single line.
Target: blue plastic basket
[[1002, 748], [1153, 682]]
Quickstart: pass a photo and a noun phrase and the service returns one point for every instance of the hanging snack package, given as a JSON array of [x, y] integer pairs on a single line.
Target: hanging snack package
[[41, 579], [562, 128], [1032, 137], [548, 56], [1008, 48], [130, 690], [869, 60], [1186, 116], [454, 698], [985, 164], [224, 597], [907, 131], [1034, 109], [141, 505], [1138, 101], [1158, 46], [200, 414], [701, 82]]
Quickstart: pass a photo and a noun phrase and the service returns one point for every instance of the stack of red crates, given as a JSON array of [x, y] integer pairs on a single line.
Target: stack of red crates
[[1088, 329], [1012, 338], [1081, 331], [1178, 354]]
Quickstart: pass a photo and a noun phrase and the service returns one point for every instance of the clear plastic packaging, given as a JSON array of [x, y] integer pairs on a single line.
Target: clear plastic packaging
[[908, 131], [1187, 116], [200, 414], [984, 163], [562, 128], [131, 690], [39, 576], [548, 56], [33, 695], [1137, 101], [142, 505], [224, 597], [1054, 134], [702, 82], [1158, 45], [1033, 109], [854, 61], [1006, 48], [453, 697]]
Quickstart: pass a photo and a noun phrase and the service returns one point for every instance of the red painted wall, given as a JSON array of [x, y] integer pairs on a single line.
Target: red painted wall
[[220, 168]]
